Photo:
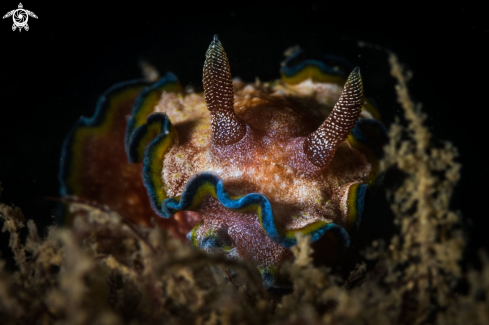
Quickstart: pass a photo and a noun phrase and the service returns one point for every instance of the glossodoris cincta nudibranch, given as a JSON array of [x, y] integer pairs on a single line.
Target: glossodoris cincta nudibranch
[[241, 168]]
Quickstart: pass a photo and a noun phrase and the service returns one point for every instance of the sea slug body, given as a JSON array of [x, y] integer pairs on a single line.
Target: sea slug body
[[239, 169]]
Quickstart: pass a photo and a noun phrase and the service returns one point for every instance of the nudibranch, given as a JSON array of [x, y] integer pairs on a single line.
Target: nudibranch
[[239, 169]]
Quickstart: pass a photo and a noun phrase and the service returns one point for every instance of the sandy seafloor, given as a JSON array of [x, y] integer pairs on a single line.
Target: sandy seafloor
[[54, 73]]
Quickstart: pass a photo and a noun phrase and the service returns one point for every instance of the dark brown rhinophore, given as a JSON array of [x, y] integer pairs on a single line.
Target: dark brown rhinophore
[[227, 127], [320, 146]]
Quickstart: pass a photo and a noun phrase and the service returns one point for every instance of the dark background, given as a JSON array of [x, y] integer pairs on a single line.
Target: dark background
[[54, 73]]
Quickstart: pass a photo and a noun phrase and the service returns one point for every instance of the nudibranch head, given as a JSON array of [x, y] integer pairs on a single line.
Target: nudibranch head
[[245, 167]]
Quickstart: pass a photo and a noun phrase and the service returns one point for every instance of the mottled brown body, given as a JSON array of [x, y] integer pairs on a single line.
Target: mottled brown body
[[269, 160]]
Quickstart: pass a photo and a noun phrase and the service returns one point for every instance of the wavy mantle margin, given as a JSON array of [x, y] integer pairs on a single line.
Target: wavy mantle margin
[[205, 184], [100, 124]]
